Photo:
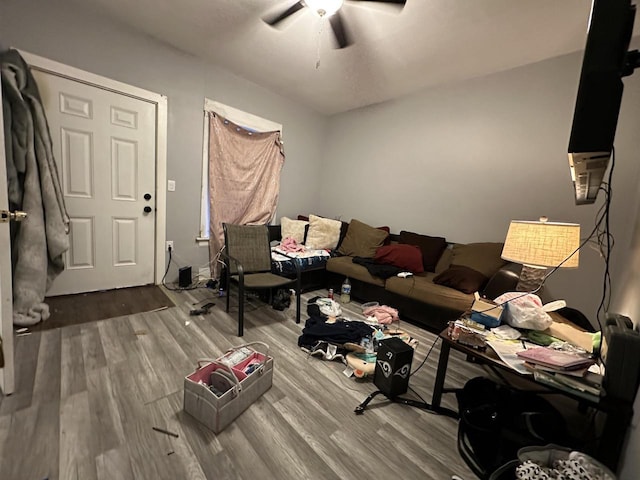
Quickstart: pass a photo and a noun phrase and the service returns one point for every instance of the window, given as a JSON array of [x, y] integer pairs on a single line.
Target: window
[[246, 120]]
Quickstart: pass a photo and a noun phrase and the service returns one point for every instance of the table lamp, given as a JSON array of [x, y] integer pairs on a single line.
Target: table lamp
[[538, 246]]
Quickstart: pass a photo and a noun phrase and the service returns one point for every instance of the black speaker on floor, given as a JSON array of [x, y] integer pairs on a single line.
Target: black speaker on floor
[[393, 365], [184, 277]]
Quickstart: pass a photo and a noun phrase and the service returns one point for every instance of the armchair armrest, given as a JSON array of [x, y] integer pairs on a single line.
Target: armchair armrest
[[504, 280], [228, 259]]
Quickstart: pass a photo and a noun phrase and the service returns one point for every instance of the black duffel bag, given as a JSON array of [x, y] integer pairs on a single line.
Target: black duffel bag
[[497, 420]]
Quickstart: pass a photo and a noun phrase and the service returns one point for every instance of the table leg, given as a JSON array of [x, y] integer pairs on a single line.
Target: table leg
[[440, 374]]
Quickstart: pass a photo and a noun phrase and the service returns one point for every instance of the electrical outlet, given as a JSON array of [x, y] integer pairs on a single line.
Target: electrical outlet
[[169, 245]]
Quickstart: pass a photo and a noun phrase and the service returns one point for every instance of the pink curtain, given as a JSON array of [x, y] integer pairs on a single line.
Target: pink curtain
[[244, 179]]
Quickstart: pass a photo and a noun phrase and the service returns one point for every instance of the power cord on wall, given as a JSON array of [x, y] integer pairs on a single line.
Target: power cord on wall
[[193, 286]]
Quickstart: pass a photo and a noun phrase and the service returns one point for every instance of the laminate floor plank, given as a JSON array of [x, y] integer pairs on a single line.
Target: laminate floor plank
[[106, 423], [187, 465], [147, 453], [117, 336], [169, 347], [280, 445], [114, 464], [35, 455], [73, 378], [190, 338], [159, 370], [88, 396], [316, 432], [92, 350], [76, 460], [26, 355], [48, 379]]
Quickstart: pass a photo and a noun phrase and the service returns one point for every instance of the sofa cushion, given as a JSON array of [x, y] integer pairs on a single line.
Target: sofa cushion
[[407, 257], [324, 233], [362, 240], [293, 229], [445, 260], [421, 288], [346, 267], [483, 257], [387, 241], [461, 278], [431, 247]]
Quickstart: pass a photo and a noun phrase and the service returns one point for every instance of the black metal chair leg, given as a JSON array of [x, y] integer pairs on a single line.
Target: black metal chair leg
[[241, 309], [228, 291]]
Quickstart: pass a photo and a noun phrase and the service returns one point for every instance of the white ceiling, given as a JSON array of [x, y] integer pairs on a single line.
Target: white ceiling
[[427, 43]]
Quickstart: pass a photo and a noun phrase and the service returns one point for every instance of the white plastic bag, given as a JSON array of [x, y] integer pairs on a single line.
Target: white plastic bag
[[524, 310], [329, 307]]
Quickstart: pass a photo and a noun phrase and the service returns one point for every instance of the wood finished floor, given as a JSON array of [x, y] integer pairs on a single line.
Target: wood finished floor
[[88, 396]]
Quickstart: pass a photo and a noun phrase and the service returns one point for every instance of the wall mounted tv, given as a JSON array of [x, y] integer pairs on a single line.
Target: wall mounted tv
[[606, 60]]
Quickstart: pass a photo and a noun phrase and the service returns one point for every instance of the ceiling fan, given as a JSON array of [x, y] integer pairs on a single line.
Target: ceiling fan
[[326, 9]]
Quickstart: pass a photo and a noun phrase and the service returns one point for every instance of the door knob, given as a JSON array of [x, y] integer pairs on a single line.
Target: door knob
[[147, 209], [147, 196]]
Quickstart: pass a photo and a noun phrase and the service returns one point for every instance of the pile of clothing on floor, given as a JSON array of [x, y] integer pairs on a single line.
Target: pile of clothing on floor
[[329, 336]]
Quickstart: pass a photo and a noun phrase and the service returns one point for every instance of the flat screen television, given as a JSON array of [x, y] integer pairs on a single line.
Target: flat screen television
[[606, 60]]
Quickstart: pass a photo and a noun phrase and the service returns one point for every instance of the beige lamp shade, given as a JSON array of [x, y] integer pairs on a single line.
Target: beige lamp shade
[[542, 244]]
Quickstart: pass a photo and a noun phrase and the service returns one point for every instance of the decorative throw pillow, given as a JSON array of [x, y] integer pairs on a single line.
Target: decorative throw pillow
[[362, 240], [407, 257], [483, 257], [431, 247], [323, 233], [293, 228], [387, 241], [461, 278]]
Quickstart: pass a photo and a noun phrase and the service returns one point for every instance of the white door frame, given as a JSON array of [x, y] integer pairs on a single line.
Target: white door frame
[[72, 73], [7, 374]]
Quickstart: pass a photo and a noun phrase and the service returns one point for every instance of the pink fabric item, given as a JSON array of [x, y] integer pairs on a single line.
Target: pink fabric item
[[383, 314], [244, 179], [290, 245]]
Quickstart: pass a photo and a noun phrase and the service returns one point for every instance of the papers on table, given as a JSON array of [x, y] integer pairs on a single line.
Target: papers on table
[[508, 350]]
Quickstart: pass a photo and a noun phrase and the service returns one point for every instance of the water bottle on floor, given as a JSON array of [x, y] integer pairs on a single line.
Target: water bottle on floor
[[345, 291]]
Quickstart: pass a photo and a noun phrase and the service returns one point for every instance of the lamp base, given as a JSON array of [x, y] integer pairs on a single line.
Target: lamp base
[[530, 278]]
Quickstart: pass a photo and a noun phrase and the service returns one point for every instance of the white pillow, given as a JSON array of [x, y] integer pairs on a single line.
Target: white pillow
[[323, 233], [293, 228]]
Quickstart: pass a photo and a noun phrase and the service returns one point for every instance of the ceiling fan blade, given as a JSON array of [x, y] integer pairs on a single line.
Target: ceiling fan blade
[[273, 21], [342, 37], [400, 3]]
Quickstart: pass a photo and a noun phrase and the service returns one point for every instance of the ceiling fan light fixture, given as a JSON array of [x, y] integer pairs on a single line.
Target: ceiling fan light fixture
[[324, 8]]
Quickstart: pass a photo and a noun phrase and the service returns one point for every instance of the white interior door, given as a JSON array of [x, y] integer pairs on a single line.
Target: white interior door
[[7, 378], [104, 144]]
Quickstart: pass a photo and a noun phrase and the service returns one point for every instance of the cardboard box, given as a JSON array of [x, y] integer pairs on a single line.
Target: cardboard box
[[486, 312]]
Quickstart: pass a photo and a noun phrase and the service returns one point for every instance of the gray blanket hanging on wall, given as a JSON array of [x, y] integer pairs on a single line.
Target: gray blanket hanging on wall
[[38, 242]]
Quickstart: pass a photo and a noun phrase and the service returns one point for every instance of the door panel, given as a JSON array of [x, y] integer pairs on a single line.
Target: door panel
[[104, 143]]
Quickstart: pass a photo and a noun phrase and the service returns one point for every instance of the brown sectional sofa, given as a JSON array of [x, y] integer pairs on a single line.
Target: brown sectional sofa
[[417, 297], [428, 298]]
